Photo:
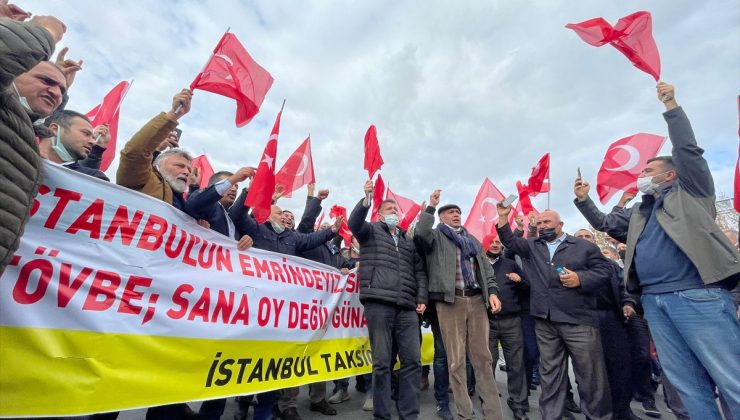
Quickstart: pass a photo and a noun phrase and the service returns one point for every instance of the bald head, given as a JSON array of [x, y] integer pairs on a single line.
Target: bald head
[[585, 234], [550, 219]]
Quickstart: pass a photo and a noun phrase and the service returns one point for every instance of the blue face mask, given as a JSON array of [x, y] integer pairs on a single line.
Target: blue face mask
[[391, 220], [58, 147]]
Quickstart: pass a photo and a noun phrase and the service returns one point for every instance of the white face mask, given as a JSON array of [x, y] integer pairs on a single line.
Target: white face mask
[[277, 227], [24, 103], [59, 149], [391, 220], [646, 185]]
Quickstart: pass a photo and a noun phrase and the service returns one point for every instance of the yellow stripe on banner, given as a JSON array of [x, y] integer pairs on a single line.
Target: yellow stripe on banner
[[64, 372]]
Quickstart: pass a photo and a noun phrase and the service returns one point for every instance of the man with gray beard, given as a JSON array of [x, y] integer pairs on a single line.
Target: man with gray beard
[[167, 178]]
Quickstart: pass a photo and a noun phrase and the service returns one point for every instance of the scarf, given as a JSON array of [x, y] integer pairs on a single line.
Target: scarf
[[467, 251]]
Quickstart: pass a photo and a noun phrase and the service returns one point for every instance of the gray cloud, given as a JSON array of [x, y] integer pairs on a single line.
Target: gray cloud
[[459, 91]]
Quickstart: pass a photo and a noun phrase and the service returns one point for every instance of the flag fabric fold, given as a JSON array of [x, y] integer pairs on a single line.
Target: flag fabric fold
[[623, 162], [407, 208], [632, 36], [297, 170], [539, 181], [339, 211], [260, 193], [108, 112], [373, 160], [232, 72], [204, 167], [524, 201], [378, 197]]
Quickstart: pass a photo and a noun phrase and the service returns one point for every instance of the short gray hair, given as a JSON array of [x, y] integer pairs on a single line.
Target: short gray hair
[[169, 153]]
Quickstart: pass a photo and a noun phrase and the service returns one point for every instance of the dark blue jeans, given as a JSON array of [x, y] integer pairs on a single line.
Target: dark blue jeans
[[697, 335], [441, 374], [388, 325], [531, 351]]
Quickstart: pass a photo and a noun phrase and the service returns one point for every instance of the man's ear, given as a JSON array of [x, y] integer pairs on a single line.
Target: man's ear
[[54, 127]]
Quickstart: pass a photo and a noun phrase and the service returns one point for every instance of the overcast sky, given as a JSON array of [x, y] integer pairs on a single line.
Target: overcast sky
[[459, 91]]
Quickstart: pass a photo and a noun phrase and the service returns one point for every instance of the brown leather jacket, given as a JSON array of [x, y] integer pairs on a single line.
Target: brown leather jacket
[[135, 171]]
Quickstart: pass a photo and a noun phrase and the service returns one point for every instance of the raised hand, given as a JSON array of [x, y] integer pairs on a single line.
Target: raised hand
[[12, 12], [434, 198], [581, 189], [242, 174], [101, 134], [667, 95], [54, 26], [69, 67], [181, 104]]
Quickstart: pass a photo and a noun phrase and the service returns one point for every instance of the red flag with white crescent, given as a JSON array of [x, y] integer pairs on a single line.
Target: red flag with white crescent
[[483, 215], [297, 170], [624, 161], [260, 193]]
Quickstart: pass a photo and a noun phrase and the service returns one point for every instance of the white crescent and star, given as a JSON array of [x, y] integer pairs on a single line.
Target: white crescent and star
[[268, 160], [224, 57], [304, 166], [490, 201], [633, 160]]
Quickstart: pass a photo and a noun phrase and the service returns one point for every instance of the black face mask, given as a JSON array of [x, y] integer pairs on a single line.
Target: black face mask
[[492, 255], [622, 254], [548, 234]]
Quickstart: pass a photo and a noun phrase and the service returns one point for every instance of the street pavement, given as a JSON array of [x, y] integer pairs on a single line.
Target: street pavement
[[352, 409]]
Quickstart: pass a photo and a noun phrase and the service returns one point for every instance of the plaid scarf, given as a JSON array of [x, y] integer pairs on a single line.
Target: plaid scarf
[[467, 251]]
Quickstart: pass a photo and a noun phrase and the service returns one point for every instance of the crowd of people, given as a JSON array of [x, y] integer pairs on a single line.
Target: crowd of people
[[545, 297]]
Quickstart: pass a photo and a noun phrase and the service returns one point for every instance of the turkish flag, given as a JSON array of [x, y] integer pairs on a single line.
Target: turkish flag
[[260, 193], [483, 216], [539, 181], [107, 113], [344, 232], [297, 170], [373, 160], [407, 208], [232, 72], [524, 201], [525, 218], [204, 167], [378, 197], [632, 36], [623, 162]]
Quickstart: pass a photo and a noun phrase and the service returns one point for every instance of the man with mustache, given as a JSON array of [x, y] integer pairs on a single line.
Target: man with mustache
[[28, 92]]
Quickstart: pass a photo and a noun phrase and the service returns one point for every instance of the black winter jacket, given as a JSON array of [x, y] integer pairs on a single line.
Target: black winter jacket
[[389, 273]]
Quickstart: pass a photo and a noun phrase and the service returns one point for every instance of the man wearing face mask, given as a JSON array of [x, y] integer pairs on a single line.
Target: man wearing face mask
[[24, 46], [72, 139], [564, 273], [680, 261], [463, 287], [393, 289]]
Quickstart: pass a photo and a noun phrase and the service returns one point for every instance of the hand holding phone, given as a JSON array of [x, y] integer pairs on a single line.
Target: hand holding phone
[[509, 200]]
